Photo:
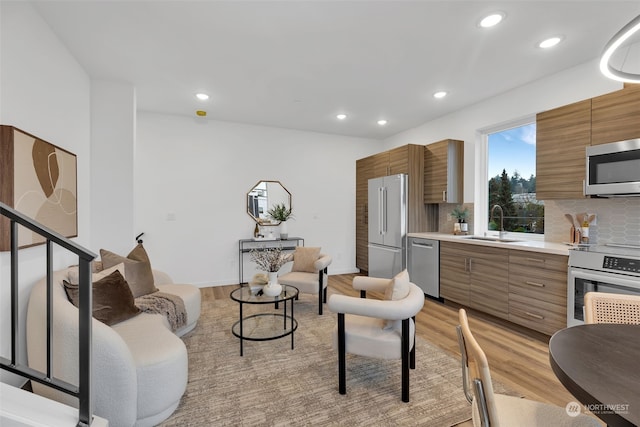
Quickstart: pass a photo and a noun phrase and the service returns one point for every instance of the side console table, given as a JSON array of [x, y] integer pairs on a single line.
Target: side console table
[[247, 245]]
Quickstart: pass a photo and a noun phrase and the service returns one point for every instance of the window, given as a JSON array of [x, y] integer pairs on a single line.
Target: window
[[510, 181]]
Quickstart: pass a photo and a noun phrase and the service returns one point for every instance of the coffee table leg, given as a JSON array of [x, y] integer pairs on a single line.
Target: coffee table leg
[[292, 331], [285, 316], [241, 333]]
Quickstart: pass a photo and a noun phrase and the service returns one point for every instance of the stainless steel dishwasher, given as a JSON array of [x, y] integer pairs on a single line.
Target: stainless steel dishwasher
[[424, 265]]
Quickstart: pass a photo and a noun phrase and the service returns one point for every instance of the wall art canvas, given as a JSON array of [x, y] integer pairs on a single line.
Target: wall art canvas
[[39, 180]]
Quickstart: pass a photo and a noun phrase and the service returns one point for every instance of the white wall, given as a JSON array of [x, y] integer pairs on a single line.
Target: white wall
[[45, 92], [199, 172], [113, 129]]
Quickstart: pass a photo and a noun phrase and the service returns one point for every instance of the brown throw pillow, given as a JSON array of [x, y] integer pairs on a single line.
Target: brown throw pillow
[[112, 299], [137, 269], [74, 273], [304, 258]]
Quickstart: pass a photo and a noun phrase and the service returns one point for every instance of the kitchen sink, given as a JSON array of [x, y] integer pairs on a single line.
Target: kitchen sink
[[492, 239]]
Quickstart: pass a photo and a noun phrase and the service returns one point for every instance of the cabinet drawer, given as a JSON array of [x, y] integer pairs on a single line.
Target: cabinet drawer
[[539, 260], [538, 315], [546, 285]]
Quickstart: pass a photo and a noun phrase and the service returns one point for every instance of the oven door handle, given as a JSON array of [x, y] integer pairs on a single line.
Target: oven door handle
[[606, 278]]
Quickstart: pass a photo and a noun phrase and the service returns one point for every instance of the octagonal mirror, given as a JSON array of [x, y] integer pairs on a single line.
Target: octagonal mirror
[[264, 196]]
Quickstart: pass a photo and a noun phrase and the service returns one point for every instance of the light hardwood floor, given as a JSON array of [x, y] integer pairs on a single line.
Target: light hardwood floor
[[517, 357]]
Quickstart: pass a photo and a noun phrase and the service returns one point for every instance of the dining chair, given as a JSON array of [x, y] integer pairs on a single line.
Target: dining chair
[[382, 329], [490, 409], [603, 307]]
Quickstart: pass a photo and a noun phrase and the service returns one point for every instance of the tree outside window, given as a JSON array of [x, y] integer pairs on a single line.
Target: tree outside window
[[514, 150]]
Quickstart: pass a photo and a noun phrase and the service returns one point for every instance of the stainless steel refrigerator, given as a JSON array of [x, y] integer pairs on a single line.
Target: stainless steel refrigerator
[[388, 217]]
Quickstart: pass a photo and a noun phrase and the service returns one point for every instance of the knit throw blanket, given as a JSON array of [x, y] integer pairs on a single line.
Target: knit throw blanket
[[169, 305]]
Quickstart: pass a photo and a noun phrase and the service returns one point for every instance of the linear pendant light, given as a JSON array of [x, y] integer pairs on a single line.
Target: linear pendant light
[[617, 40]]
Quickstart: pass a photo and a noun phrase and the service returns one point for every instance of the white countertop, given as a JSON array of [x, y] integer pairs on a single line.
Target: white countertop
[[524, 245]]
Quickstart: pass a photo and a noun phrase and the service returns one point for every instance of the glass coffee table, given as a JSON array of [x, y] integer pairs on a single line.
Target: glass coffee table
[[265, 326]]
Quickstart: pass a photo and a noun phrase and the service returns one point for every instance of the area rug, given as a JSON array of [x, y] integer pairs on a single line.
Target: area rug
[[272, 385]]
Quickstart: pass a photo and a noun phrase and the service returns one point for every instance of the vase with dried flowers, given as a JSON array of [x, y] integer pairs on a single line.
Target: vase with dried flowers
[[270, 260]]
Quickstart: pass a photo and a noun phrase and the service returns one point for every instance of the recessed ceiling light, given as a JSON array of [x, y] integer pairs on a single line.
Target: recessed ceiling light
[[202, 96], [382, 122], [440, 94], [491, 20], [550, 42], [341, 116]]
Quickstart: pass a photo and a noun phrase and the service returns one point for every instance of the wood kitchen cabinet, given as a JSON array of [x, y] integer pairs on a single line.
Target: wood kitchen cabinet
[[444, 171], [562, 134], [538, 290], [408, 159], [615, 116], [475, 276], [454, 275]]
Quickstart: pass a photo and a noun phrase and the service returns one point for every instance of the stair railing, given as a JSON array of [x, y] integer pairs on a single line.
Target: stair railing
[[13, 218]]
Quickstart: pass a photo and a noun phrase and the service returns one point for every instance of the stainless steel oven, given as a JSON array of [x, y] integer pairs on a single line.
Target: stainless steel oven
[[609, 268]]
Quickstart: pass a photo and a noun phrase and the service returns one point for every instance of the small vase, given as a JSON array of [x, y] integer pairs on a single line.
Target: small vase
[[273, 288], [284, 234]]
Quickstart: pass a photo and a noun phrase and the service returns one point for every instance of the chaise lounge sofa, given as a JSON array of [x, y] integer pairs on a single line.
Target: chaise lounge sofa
[[139, 366]]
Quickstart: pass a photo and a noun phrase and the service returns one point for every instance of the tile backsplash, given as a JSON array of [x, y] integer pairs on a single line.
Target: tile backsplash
[[617, 219], [446, 221]]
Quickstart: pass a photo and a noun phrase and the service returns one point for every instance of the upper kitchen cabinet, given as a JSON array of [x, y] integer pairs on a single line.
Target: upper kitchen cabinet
[[444, 171], [616, 116], [562, 134], [408, 159]]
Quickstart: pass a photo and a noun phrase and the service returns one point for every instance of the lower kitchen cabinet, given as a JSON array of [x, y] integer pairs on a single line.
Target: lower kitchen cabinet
[[524, 287], [454, 275], [475, 276], [538, 290]]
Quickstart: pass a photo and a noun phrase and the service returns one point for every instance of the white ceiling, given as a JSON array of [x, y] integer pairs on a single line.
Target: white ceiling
[[296, 64]]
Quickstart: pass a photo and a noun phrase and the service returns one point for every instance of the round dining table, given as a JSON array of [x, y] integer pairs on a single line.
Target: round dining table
[[600, 365]]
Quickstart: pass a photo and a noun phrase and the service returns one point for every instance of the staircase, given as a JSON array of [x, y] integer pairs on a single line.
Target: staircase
[[10, 219]]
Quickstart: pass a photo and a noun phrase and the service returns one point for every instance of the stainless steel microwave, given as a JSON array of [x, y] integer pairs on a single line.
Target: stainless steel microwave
[[613, 169]]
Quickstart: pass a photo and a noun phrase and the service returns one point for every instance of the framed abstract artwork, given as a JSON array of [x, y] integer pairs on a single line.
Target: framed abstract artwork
[[39, 180]]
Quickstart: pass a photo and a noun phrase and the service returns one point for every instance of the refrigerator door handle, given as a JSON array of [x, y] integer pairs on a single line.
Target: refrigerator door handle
[[386, 249], [384, 210], [380, 210]]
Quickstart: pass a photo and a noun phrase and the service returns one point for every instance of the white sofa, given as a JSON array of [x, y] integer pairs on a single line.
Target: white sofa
[[139, 367]]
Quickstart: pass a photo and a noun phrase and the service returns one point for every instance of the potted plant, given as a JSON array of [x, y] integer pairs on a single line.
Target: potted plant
[[461, 214], [279, 212]]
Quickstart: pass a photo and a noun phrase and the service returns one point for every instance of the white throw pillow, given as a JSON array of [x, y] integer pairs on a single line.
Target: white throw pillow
[[397, 289]]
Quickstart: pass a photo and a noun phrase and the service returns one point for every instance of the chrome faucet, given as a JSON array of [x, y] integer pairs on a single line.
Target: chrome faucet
[[501, 232]]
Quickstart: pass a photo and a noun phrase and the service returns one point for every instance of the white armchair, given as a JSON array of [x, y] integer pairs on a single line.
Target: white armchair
[[383, 329], [309, 276]]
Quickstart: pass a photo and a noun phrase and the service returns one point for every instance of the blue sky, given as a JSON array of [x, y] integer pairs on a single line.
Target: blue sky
[[513, 149]]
